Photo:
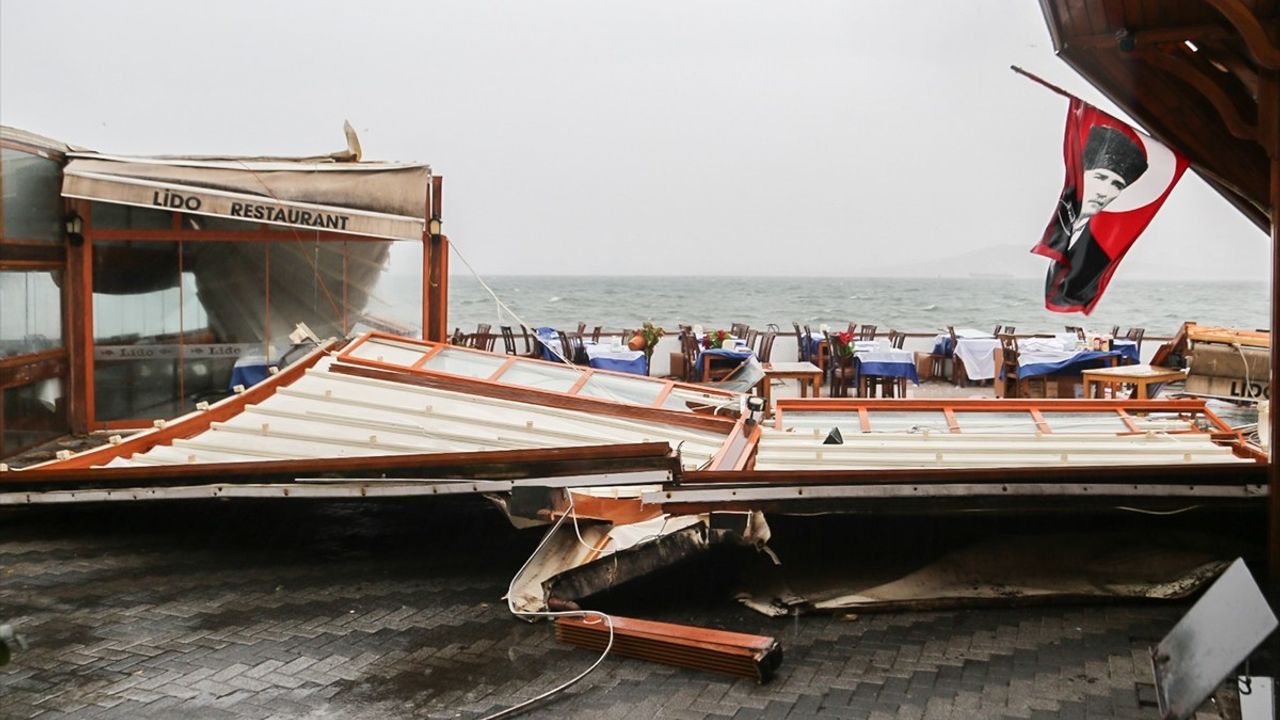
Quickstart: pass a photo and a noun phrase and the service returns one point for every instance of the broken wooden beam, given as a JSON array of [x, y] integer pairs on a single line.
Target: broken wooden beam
[[722, 651]]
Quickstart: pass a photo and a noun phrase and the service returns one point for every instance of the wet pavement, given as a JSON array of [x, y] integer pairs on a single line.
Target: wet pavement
[[288, 609]]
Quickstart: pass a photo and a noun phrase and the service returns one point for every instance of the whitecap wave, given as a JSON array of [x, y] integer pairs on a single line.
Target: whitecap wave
[[554, 298], [929, 308]]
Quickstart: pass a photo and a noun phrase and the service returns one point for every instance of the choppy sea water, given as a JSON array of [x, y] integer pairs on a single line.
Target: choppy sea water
[[908, 304]]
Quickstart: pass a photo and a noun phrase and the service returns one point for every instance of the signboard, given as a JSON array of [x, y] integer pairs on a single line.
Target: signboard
[[165, 352], [237, 206]]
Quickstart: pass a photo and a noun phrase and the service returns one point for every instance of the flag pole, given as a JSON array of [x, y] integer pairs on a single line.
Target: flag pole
[[1042, 81]]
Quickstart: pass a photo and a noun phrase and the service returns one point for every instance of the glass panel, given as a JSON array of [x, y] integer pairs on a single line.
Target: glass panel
[[807, 422], [934, 421], [995, 422], [542, 377], [111, 216], [32, 196], [1082, 422], [306, 287], [33, 414], [461, 362], [394, 293], [621, 389], [30, 312], [137, 319], [388, 351]]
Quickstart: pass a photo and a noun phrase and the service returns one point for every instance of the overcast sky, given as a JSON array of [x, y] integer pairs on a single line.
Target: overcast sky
[[732, 137]]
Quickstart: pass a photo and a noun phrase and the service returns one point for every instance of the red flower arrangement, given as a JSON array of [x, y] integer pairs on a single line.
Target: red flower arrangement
[[715, 339], [844, 343]]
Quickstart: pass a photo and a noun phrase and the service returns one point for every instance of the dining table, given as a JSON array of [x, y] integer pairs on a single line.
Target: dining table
[[1060, 359], [819, 349], [890, 363], [709, 357], [616, 357]]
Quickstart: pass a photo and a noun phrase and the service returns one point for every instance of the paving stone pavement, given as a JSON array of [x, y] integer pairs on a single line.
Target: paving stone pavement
[[391, 610]]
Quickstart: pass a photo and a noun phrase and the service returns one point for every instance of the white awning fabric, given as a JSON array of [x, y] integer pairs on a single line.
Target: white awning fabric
[[381, 200]]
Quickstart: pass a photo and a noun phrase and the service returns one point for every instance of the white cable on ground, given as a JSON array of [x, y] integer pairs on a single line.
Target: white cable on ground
[[515, 709], [1141, 511]]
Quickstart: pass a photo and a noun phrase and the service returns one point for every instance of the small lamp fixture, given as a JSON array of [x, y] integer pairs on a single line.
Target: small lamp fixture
[[433, 227], [74, 225], [755, 406], [1125, 40]]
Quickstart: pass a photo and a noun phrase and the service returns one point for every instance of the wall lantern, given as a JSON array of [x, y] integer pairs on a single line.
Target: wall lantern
[[433, 227], [75, 229]]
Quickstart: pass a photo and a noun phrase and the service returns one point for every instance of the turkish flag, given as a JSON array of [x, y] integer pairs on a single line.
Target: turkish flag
[[1117, 179]]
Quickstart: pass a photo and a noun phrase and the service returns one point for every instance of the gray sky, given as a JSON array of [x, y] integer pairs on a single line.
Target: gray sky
[[587, 137]]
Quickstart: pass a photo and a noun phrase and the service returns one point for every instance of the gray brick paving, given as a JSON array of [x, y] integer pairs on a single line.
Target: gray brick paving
[[294, 610]]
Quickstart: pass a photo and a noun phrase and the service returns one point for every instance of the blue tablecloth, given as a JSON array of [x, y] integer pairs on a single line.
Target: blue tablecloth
[[248, 372], [547, 339], [881, 364], [639, 366], [1083, 360], [735, 355]]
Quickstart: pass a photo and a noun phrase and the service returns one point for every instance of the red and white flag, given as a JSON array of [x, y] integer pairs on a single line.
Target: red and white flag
[[1117, 179]]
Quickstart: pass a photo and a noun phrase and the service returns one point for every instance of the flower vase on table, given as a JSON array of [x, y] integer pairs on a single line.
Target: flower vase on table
[[648, 335]]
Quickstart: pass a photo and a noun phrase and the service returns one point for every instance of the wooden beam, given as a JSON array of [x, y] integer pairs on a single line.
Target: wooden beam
[[1172, 63], [1143, 39], [1255, 37], [485, 464], [1269, 108]]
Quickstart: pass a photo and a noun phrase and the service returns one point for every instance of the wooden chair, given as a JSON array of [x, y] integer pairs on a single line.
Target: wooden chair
[[1079, 331], [1008, 330], [958, 374], [482, 339], [867, 332], [1115, 331], [996, 332], [508, 339], [582, 327], [897, 339], [457, 338], [766, 346], [1010, 376], [753, 337], [841, 372], [739, 330], [595, 334], [1135, 334], [531, 348], [802, 344], [689, 354]]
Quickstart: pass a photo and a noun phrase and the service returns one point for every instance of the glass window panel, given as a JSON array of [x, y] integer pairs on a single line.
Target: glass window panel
[[934, 421], [621, 389], [32, 196], [393, 277], [33, 414], [30, 312], [806, 422], [306, 287], [995, 422], [542, 377], [137, 319], [113, 216], [1081, 422], [461, 362], [389, 352]]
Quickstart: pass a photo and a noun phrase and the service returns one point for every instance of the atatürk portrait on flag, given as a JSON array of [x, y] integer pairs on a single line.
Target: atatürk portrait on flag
[[1116, 180]]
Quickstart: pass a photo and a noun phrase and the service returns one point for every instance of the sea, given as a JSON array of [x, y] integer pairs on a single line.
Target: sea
[[917, 305]]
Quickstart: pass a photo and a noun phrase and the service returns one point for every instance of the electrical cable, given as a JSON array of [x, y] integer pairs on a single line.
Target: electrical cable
[[602, 617]]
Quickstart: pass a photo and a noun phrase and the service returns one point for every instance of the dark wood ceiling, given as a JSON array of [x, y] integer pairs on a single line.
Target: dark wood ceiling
[[1202, 76]]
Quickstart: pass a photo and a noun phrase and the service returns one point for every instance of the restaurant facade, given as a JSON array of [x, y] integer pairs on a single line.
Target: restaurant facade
[[135, 289]]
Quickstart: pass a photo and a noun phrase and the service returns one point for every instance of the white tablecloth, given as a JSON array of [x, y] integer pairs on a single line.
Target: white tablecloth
[[978, 356]]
